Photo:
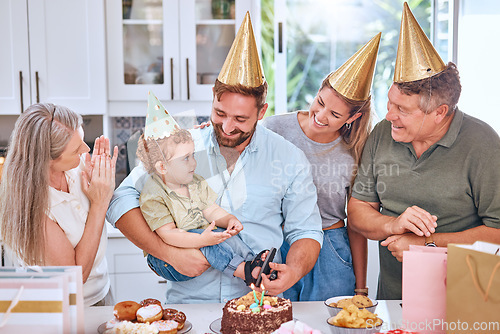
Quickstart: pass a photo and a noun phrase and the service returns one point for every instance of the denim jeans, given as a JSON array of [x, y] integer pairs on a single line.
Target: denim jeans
[[225, 257], [332, 274]]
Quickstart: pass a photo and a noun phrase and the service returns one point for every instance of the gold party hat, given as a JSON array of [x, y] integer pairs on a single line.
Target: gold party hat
[[242, 65], [159, 123], [416, 59], [354, 78]]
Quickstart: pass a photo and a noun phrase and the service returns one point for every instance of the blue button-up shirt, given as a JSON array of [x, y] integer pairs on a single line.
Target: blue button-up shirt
[[270, 191]]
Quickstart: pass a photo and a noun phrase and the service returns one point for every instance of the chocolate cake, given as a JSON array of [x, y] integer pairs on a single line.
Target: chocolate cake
[[241, 315]]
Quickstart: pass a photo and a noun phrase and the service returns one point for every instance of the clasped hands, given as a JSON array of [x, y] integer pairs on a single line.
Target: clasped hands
[[410, 228], [98, 177]]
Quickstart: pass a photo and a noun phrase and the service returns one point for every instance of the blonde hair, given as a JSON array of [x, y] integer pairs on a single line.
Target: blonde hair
[[150, 151], [40, 135], [356, 135]]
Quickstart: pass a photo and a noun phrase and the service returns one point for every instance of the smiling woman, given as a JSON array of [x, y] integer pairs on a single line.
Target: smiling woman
[[332, 135], [57, 199]]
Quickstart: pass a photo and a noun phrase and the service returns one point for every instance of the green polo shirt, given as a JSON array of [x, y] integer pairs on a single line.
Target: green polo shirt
[[160, 205], [457, 179]]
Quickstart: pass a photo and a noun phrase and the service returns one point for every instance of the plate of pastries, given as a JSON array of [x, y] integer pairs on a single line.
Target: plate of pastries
[[148, 316]]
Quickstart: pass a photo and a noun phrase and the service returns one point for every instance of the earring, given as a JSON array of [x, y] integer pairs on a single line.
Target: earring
[[348, 126]]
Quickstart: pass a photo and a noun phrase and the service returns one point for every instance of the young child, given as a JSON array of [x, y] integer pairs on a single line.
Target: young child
[[180, 206]]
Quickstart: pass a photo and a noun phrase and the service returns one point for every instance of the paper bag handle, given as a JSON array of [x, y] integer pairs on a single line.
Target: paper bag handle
[[474, 278], [13, 304]]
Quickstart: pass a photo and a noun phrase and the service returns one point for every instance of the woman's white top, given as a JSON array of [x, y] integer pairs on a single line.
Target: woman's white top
[[70, 211]]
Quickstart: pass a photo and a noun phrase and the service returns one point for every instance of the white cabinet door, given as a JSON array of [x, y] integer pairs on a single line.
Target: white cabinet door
[[130, 276], [175, 48], [52, 51], [67, 51], [207, 32], [143, 52], [14, 57]]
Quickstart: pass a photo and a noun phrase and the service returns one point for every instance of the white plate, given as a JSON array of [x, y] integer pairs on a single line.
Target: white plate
[[215, 326], [187, 327]]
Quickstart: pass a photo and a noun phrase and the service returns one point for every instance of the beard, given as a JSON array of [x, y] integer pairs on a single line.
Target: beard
[[233, 142]]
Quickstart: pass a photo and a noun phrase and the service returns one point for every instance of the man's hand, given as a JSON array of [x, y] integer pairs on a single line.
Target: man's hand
[[415, 220], [187, 261], [396, 244], [287, 277]]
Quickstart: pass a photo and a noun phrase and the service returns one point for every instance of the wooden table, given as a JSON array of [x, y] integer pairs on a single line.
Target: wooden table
[[201, 316]]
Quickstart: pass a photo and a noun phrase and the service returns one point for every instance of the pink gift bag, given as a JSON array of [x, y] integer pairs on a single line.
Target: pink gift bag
[[424, 289]]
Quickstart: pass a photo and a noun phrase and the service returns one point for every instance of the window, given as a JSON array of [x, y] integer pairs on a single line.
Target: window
[[314, 37], [477, 60]]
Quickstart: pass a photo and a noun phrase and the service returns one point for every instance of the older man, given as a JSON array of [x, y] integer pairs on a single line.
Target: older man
[[261, 178], [429, 173]]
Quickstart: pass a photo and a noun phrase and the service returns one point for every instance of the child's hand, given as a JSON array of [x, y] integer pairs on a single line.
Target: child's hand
[[202, 125], [234, 226], [213, 238]]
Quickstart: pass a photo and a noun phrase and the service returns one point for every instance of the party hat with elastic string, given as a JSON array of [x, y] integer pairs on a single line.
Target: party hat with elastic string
[[416, 58], [159, 123], [353, 79], [242, 65]]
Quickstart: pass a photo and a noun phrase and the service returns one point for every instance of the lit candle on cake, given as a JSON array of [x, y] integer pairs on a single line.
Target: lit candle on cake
[[252, 286], [262, 295]]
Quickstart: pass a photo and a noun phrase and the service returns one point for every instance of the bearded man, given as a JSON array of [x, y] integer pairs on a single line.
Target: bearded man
[[262, 179]]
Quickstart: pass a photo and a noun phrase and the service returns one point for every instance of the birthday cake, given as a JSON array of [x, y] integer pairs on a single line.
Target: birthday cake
[[253, 315]]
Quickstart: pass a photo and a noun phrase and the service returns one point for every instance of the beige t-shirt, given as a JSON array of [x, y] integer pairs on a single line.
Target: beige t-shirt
[[160, 205], [70, 211]]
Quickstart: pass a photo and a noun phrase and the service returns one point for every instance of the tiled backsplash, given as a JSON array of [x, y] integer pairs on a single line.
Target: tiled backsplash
[[124, 127]]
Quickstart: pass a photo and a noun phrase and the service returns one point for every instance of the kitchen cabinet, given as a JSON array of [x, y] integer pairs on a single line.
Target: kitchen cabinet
[[129, 273], [52, 51], [174, 48]]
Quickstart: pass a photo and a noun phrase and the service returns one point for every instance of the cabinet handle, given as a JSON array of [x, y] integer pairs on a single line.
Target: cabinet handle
[[37, 88], [280, 37], [162, 282], [21, 93], [187, 76], [171, 78]]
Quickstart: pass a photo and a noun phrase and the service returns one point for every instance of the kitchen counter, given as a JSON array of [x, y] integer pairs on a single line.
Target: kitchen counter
[[201, 316]]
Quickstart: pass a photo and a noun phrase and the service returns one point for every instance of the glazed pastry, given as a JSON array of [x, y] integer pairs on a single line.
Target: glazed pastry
[[173, 314], [148, 301], [150, 313], [126, 310], [166, 326]]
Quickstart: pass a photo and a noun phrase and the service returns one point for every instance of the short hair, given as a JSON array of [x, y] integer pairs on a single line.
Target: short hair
[[442, 88], [259, 93], [150, 151]]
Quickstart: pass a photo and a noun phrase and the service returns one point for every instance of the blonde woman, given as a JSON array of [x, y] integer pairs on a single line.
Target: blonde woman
[[332, 134], [54, 197]]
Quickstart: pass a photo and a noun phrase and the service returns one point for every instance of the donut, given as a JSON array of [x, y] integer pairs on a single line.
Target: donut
[[148, 301], [126, 310], [166, 326], [149, 313], [173, 314]]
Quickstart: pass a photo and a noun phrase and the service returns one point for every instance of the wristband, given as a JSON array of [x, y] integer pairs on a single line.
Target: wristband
[[362, 291]]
